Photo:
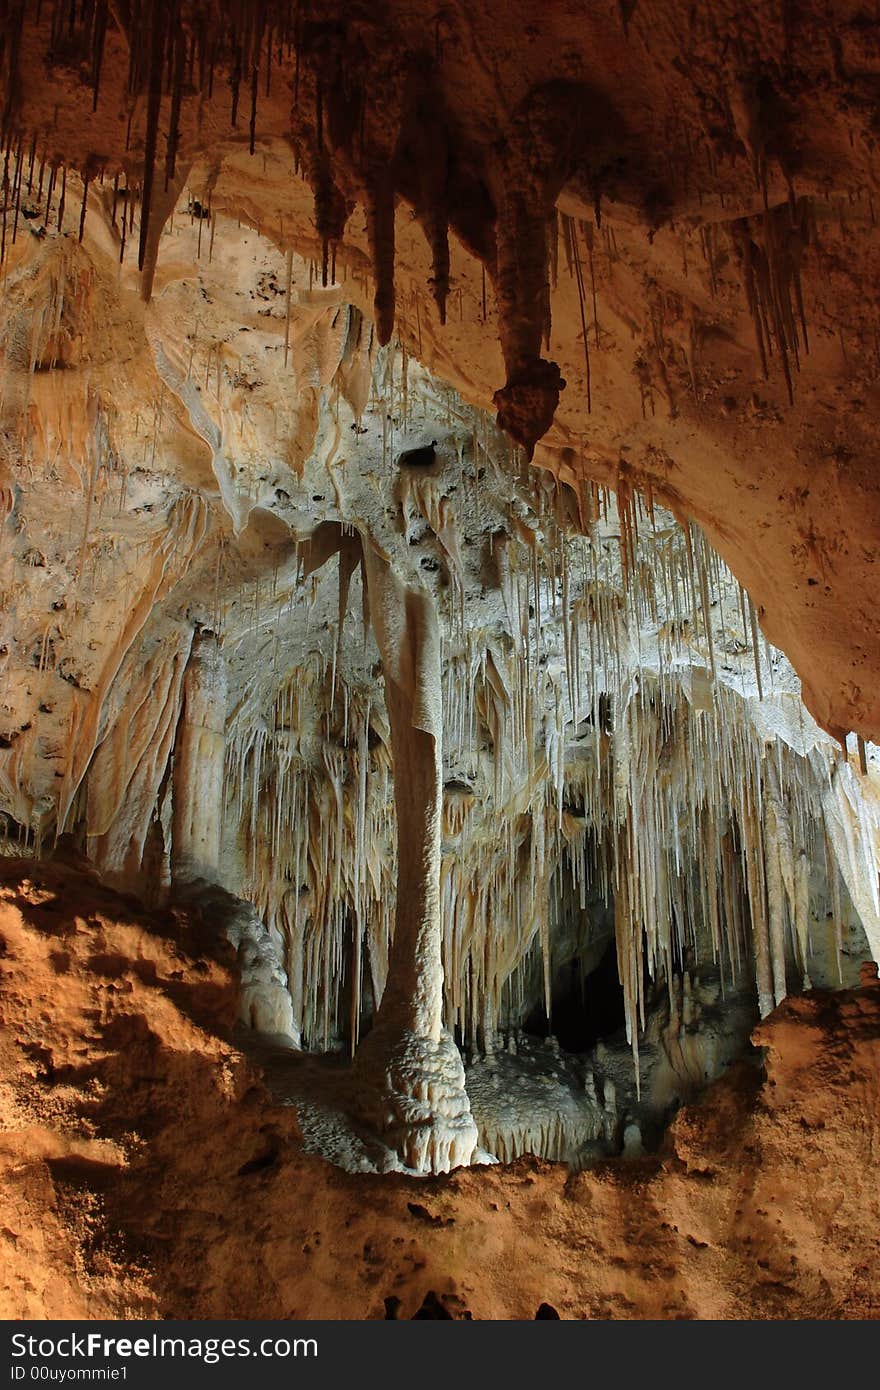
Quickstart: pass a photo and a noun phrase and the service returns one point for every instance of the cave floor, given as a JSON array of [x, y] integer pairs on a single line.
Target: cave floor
[[149, 1170]]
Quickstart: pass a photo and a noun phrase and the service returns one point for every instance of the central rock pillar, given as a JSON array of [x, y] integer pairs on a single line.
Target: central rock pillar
[[411, 1071]]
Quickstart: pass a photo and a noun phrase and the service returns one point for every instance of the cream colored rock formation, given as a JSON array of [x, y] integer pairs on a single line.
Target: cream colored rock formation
[[418, 710], [199, 764], [420, 1101]]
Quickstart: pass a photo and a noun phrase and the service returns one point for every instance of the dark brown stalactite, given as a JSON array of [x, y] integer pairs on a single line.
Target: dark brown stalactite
[[574, 259], [255, 78], [99, 38], [422, 165], [5, 195], [154, 102], [82, 215], [251, 41], [770, 253], [16, 192], [587, 233], [62, 198], [380, 204], [322, 144], [179, 48], [539, 154], [122, 229], [439, 236], [527, 403], [12, 15], [235, 86], [332, 208], [163, 204]]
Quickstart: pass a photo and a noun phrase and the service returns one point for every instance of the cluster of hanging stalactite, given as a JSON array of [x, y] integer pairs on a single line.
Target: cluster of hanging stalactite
[[581, 767], [600, 733], [173, 48], [353, 147]]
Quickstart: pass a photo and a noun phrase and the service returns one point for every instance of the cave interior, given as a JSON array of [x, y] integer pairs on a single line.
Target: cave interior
[[438, 472]]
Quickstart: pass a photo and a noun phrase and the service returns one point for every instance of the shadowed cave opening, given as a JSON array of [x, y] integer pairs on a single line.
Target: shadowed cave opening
[[586, 1005]]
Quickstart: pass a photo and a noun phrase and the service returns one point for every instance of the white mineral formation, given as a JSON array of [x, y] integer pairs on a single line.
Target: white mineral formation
[[264, 1003], [413, 1074], [196, 835], [199, 754]]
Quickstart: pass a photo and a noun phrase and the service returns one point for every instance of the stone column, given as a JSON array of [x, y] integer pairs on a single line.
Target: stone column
[[411, 1069], [199, 752]]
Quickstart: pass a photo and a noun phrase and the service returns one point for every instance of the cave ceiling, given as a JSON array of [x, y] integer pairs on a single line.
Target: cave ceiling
[[668, 208]]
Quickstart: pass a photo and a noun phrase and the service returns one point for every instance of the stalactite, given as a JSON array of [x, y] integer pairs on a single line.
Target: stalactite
[[158, 21], [154, 214], [380, 236], [770, 253], [574, 259]]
